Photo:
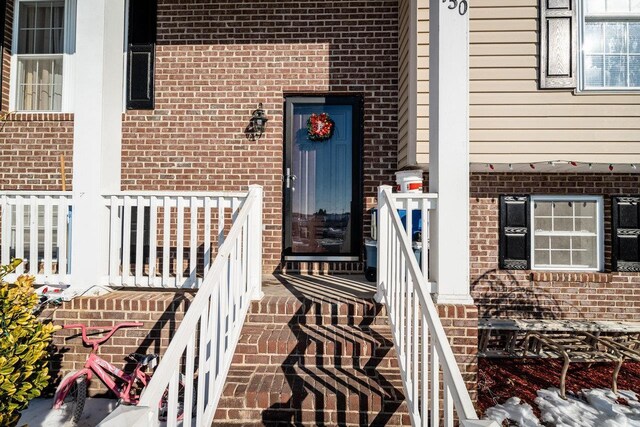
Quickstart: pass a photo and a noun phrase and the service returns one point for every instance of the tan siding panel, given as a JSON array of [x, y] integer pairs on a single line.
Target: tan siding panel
[[511, 119], [554, 110], [604, 136], [403, 85], [624, 147], [560, 123]]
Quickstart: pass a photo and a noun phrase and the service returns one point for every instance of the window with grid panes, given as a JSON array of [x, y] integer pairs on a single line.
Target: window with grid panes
[[39, 49], [567, 233], [610, 44]]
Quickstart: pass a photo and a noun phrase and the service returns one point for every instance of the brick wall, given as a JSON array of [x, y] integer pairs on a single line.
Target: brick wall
[[460, 323], [31, 144], [502, 293], [30, 150], [160, 313], [216, 60]]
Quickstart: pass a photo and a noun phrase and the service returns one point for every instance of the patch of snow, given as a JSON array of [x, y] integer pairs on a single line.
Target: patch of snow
[[514, 410], [39, 413], [590, 408]]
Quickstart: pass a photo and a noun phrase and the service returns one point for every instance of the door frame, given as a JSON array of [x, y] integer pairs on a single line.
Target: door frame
[[357, 101]]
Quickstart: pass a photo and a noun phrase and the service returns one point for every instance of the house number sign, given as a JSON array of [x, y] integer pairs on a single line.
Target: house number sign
[[461, 5]]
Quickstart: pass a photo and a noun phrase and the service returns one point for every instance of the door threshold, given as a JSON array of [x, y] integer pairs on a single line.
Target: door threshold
[[320, 258]]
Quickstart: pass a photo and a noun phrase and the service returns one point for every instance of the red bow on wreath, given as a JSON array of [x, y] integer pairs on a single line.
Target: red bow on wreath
[[320, 127]]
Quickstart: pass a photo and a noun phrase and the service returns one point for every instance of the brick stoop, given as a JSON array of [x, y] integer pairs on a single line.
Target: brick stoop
[[315, 351]]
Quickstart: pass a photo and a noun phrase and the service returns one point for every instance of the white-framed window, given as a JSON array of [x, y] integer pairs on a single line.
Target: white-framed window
[[43, 42], [567, 233], [610, 44]]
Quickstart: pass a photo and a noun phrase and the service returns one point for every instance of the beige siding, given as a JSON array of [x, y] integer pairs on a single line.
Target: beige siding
[[403, 82], [511, 119]]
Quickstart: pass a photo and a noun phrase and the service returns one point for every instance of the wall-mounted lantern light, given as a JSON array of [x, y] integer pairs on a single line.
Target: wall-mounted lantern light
[[257, 124]]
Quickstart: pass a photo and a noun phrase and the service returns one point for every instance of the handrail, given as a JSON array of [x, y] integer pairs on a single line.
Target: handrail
[[211, 327], [401, 287]]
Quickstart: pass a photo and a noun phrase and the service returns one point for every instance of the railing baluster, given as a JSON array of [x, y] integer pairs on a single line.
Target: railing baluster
[[114, 242], [20, 232], [435, 384], [221, 203], [166, 241], [6, 230], [172, 400], [179, 241], [33, 236], [193, 243], [245, 258], [188, 381], [416, 349], [63, 210], [48, 236], [203, 344], [126, 241], [153, 239], [207, 235], [447, 405], [139, 240], [424, 378]]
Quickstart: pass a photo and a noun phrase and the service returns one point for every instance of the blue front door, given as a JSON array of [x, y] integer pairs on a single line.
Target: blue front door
[[322, 185]]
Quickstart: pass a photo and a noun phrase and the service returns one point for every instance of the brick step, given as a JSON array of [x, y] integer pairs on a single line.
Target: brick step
[[283, 417], [274, 393], [352, 362], [269, 339], [290, 310]]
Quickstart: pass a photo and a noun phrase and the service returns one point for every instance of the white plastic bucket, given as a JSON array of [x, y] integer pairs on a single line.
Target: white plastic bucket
[[409, 181]]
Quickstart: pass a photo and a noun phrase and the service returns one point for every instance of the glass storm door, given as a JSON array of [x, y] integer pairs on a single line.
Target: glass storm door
[[322, 181]]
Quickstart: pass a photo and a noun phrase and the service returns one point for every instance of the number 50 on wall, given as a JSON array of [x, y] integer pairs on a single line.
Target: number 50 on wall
[[461, 5]]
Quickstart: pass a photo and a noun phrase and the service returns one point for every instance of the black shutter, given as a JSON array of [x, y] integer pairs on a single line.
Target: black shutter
[[141, 54], [558, 53], [514, 253], [626, 233]]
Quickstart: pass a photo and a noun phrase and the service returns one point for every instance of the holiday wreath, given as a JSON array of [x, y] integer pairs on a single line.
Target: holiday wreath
[[320, 127]]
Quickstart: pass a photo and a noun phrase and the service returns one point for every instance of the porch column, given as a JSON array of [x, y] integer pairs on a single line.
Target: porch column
[[97, 137], [449, 148]]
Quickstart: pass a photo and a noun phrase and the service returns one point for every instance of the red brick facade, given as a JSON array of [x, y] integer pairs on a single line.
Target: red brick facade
[[31, 144], [216, 60], [501, 293]]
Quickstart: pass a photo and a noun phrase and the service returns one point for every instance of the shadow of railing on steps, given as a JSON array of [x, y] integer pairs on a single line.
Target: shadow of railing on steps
[[326, 320]]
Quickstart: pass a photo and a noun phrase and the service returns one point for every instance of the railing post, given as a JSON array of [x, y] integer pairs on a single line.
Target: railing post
[[383, 244], [255, 242]]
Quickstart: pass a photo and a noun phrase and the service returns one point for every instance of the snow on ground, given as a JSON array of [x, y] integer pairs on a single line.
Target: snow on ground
[[40, 414], [591, 408]]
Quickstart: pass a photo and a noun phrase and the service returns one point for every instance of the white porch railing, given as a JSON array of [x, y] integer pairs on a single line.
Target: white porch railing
[[36, 227], [208, 335], [420, 340], [160, 239]]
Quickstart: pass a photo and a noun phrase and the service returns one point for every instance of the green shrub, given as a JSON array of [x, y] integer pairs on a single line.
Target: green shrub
[[23, 346]]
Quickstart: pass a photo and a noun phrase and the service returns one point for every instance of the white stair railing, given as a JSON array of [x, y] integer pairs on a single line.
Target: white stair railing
[[166, 239], [36, 227], [192, 372], [424, 353]]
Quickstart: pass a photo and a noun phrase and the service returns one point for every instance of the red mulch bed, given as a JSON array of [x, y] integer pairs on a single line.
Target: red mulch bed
[[500, 379]]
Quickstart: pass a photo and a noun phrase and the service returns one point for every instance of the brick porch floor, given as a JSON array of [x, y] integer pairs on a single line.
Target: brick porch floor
[[316, 350]]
